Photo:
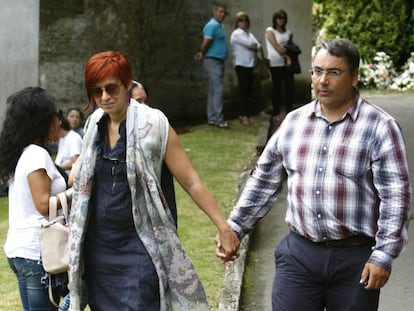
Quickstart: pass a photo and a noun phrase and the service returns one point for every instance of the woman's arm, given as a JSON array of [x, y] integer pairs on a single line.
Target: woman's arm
[[69, 164], [182, 169], [272, 39], [39, 184], [248, 41]]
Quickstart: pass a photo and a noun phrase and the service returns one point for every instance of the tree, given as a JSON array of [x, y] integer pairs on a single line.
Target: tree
[[373, 25]]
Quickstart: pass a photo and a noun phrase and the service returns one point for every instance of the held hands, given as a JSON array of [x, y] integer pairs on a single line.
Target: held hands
[[374, 277], [227, 245]]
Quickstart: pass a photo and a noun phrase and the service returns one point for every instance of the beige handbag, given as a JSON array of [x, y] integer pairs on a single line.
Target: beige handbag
[[54, 235]]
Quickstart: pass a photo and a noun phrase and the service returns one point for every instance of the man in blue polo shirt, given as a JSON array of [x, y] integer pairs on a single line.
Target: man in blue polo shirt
[[213, 53]]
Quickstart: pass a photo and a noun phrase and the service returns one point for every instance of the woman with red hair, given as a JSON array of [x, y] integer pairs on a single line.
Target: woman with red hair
[[123, 238]]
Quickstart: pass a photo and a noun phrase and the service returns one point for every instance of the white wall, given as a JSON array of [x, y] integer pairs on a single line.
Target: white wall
[[19, 46]]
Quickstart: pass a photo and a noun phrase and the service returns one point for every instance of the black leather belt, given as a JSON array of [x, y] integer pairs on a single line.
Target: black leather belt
[[353, 240]]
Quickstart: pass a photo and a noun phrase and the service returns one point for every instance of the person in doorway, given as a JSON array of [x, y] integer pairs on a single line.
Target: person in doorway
[[122, 234], [31, 123], [277, 36], [213, 53], [245, 46], [348, 192]]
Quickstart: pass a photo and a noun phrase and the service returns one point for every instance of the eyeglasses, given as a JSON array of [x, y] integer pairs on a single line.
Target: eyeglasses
[[111, 89], [331, 73], [244, 20]]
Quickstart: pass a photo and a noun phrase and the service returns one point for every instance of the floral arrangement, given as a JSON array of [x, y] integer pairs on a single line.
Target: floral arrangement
[[381, 74]]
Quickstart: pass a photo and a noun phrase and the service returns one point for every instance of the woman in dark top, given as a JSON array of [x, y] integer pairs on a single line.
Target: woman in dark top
[[123, 237]]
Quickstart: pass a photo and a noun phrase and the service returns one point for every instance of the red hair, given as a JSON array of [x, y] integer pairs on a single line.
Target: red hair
[[108, 64]]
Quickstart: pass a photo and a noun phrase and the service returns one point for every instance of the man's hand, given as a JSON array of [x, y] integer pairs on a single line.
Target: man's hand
[[373, 276], [198, 57], [227, 246]]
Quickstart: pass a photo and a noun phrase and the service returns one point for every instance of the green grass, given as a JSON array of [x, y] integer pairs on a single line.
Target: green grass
[[9, 294], [219, 156]]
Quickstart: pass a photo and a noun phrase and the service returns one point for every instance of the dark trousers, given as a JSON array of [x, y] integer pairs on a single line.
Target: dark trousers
[[246, 79], [313, 277], [280, 75]]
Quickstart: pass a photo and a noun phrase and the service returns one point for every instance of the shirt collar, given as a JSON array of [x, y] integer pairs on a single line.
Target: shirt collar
[[315, 109]]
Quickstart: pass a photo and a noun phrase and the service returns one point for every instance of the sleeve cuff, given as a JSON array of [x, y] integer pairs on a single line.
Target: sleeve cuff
[[381, 259]]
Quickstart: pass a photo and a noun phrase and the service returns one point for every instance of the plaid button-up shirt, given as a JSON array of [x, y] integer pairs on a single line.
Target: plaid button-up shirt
[[344, 178]]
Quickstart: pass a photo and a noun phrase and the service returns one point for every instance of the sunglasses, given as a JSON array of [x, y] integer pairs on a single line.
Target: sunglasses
[[110, 89]]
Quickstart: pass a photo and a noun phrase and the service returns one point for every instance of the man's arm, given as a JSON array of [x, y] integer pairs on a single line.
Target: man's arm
[[203, 49]]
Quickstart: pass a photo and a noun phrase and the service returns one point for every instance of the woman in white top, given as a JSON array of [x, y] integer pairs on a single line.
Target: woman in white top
[[244, 45], [32, 122], [69, 148], [277, 36]]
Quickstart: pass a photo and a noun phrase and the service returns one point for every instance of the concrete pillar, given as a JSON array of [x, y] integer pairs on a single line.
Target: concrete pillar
[[19, 46]]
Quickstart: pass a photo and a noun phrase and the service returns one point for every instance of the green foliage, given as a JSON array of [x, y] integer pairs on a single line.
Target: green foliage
[[373, 25]]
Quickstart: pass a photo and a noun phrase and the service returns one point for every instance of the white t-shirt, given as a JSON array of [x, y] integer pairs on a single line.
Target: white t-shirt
[[24, 219], [241, 42], [69, 146], [277, 60]]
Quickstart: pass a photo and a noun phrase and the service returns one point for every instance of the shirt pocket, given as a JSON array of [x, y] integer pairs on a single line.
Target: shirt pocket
[[352, 160]]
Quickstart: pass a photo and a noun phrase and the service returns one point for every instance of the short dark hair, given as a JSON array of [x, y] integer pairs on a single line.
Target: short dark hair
[[343, 48], [78, 110], [135, 84]]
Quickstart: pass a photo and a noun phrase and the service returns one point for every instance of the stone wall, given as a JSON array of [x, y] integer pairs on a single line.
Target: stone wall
[[159, 37]]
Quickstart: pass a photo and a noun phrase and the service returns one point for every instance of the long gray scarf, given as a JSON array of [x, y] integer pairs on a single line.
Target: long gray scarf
[[147, 132]]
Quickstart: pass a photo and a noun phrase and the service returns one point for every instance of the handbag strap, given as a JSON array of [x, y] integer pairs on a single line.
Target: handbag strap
[[50, 291], [52, 208], [53, 205], [262, 53], [64, 203]]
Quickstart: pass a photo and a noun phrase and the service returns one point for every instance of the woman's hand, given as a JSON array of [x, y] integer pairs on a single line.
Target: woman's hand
[[288, 61], [227, 245]]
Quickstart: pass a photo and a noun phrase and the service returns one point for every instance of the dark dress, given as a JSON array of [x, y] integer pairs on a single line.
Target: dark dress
[[119, 272]]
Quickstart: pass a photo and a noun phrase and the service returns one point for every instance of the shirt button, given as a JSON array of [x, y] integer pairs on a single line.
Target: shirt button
[[318, 192], [320, 170], [319, 216]]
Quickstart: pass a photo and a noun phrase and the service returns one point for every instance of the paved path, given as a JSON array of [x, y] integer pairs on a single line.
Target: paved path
[[398, 294]]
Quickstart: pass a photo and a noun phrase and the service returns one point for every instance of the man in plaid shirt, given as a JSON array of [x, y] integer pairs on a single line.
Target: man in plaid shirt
[[345, 163]]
